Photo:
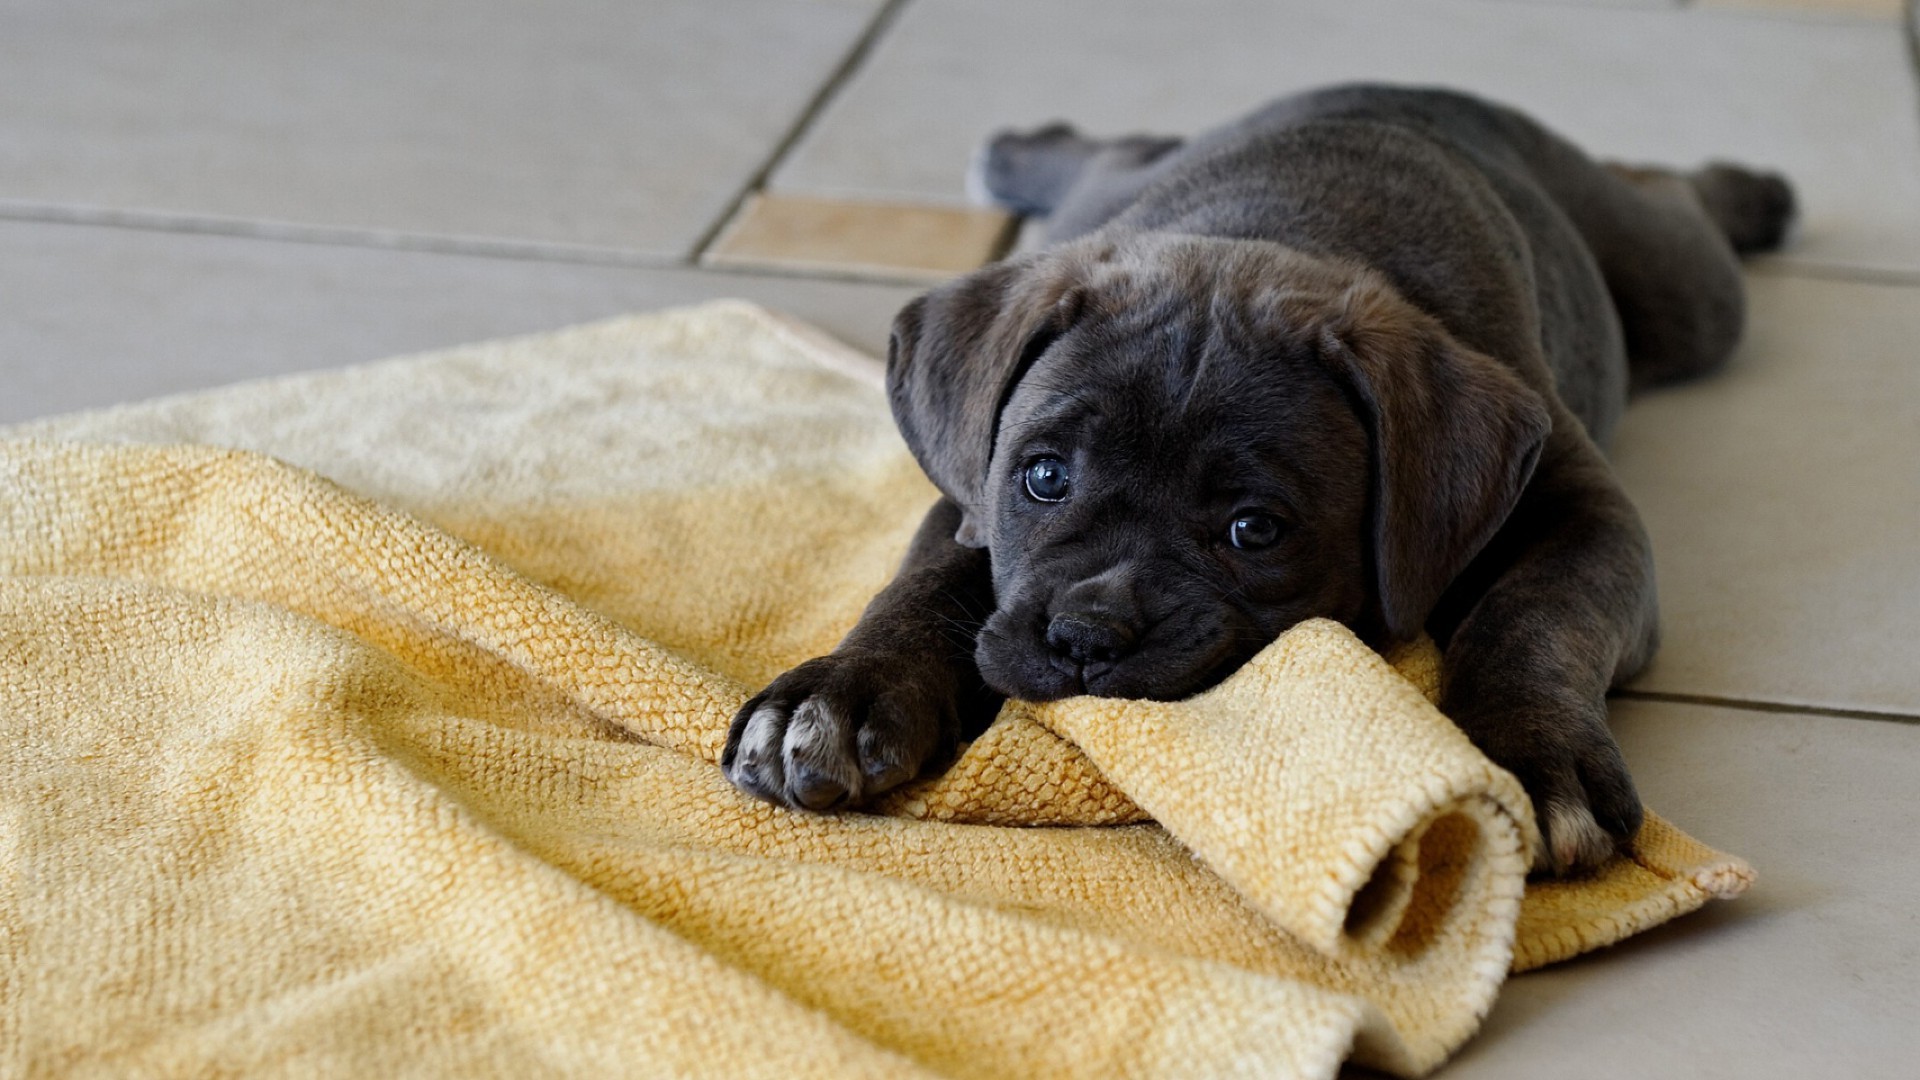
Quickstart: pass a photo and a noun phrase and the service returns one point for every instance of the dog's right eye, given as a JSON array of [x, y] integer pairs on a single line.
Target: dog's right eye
[[1253, 531], [1047, 480]]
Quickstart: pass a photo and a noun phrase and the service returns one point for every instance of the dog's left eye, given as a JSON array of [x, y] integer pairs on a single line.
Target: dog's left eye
[[1251, 532], [1047, 480]]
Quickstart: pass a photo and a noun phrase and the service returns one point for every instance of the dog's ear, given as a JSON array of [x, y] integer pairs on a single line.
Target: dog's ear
[[955, 357], [1455, 437]]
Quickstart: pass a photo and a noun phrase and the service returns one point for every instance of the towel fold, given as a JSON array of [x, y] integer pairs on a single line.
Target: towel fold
[[401, 758]]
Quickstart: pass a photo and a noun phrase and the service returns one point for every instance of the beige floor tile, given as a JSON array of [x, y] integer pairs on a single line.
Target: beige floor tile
[[1829, 102], [1783, 496], [836, 235], [97, 316], [600, 123], [1891, 10], [1811, 974]]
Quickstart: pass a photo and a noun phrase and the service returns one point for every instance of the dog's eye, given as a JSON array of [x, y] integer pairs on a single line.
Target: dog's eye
[[1251, 532], [1047, 480]]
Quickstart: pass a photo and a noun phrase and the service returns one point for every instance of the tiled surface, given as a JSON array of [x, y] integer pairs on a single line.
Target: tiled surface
[[592, 122], [1830, 102], [1811, 974], [838, 235], [1783, 496], [95, 316]]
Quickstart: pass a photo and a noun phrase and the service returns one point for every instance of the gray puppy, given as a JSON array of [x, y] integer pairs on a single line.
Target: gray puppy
[[1353, 356]]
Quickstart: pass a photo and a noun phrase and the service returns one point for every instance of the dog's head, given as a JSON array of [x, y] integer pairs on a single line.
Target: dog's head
[[1175, 448]]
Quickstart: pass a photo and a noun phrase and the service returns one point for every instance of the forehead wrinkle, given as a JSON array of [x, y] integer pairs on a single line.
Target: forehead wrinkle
[[1259, 433], [1215, 363]]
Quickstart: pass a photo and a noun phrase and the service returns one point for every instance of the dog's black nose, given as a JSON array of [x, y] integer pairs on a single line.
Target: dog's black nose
[[1090, 637]]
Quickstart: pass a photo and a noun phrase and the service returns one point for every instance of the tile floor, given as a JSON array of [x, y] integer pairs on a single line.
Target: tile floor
[[197, 192]]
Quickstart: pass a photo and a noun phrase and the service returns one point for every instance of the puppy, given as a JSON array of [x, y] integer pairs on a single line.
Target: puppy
[[1353, 356]]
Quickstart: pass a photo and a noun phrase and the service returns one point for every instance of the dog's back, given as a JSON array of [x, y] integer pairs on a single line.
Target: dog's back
[[1468, 207]]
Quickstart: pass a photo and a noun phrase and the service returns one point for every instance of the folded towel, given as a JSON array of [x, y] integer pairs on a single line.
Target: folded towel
[[412, 768]]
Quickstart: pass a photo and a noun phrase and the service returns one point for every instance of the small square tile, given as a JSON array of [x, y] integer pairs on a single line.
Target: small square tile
[[904, 240]]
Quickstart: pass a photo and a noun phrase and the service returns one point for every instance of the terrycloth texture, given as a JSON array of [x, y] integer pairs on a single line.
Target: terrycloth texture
[[414, 773]]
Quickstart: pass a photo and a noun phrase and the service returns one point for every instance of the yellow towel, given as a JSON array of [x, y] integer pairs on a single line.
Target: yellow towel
[[414, 772]]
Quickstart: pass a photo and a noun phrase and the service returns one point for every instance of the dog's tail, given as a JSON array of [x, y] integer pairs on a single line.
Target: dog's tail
[[1754, 209]]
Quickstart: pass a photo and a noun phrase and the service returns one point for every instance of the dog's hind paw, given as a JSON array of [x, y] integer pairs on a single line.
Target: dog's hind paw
[[1028, 172]]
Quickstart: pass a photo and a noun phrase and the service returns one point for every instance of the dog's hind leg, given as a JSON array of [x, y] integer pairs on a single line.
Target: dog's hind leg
[[1056, 172], [1668, 244]]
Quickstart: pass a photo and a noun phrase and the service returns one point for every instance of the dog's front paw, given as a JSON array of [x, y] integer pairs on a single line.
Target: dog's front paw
[[838, 730], [1583, 796]]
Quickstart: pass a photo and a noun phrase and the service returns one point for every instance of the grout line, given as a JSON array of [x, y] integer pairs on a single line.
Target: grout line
[[423, 243], [1776, 266], [1662, 5], [1790, 266], [1766, 706], [329, 235], [1910, 26], [28, 212], [847, 276], [856, 56]]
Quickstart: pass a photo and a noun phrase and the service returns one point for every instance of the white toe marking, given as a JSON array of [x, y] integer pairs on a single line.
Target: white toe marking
[[1578, 840], [818, 738], [760, 742]]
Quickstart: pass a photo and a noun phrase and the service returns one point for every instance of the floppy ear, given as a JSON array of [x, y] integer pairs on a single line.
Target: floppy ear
[[1455, 438], [955, 357]]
